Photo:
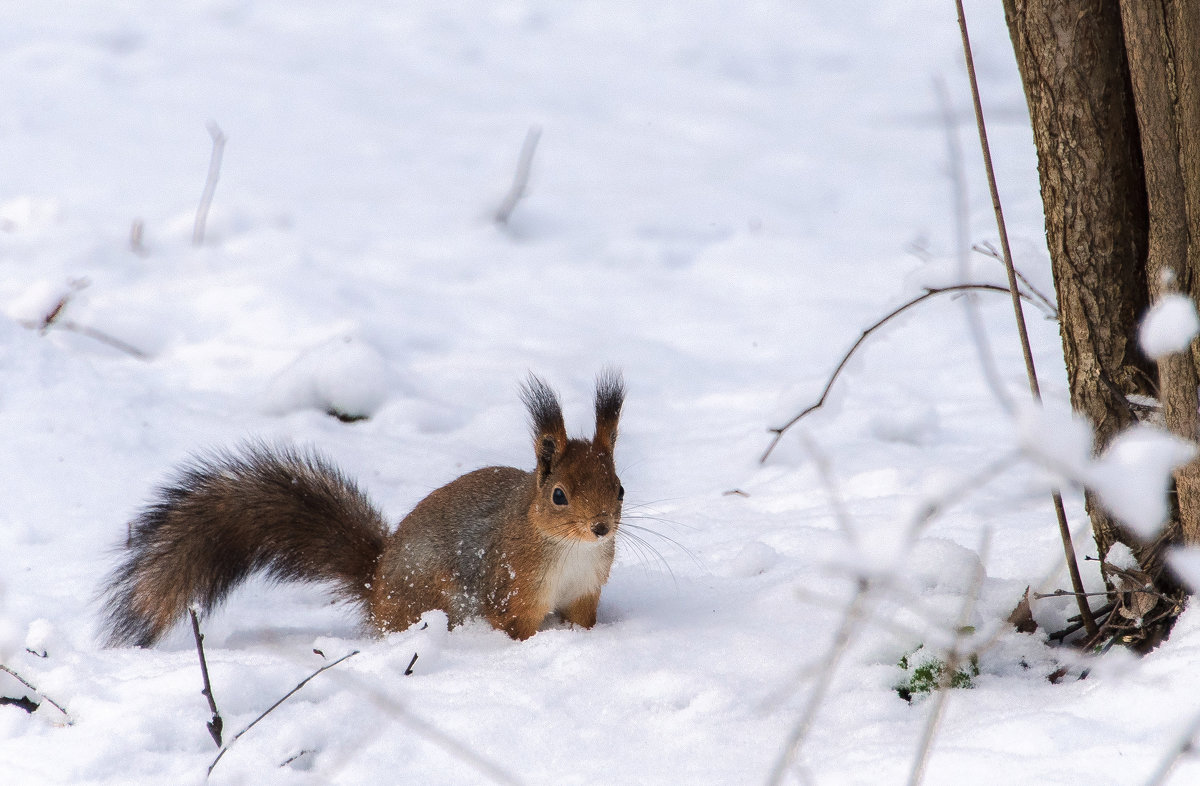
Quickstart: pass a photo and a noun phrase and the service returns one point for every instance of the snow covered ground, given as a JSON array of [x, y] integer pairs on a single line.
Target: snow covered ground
[[724, 195]]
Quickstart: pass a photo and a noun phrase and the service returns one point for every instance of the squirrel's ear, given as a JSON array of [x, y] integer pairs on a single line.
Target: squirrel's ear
[[610, 395], [549, 430]]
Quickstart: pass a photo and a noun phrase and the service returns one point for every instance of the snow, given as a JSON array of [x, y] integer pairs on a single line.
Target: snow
[[1169, 326], [724, 195], [343, 376], [1133, 474]]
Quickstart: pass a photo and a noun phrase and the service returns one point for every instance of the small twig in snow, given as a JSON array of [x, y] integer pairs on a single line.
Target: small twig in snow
[[216, 724], [104, 338], [267, 712], [520, 177], [30, 685], [210, 182], [1077, 623], [408, 670], [137, 232], [291, 759], [54, 318], [54, 313]]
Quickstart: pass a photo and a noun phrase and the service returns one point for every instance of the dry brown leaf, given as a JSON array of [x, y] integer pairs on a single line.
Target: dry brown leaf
[[1022, 616], [1139, 603]]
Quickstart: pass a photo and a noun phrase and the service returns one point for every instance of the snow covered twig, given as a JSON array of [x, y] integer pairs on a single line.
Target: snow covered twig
[[961, 211], [520, 177], [137, 234], [103, 338], [53, 318], [210, 182], [30, 685]]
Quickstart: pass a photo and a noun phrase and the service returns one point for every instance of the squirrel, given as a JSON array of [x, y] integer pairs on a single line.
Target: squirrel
[[499, 543]]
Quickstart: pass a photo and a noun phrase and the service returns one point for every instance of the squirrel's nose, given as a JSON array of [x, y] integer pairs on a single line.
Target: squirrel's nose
[[600, 529]]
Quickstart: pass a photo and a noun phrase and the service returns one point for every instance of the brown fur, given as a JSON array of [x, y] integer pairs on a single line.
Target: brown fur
[[499, 543]]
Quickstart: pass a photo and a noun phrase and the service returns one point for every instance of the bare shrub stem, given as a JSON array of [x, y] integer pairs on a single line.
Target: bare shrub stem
[[520, 176], [1031, 372], [216, 724], [210, 182]]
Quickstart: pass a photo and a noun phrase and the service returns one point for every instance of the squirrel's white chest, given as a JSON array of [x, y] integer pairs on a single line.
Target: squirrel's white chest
[[579, 570]]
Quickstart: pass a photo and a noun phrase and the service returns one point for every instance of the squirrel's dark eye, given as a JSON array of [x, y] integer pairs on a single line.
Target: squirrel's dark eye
[[559, 496], [620, 493]]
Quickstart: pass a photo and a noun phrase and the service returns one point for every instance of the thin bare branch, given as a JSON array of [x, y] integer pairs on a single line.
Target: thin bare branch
[[1018, 313], [521, 177], [54, 319], [216, 724], [779, 431], [267, 712], [104, 338], [988, 250], [1066, 593], [210, 182], [30, 685]]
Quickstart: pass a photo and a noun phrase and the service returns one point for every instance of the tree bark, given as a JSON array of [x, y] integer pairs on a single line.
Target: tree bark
[[1072, 62], [1162, 41]]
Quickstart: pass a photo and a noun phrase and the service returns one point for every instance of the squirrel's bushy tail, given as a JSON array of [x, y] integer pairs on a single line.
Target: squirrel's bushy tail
[[224, 517]]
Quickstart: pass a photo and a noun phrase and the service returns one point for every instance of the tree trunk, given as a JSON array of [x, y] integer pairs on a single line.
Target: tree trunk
[[1162, 41], [1071, 57], [1113, 88]]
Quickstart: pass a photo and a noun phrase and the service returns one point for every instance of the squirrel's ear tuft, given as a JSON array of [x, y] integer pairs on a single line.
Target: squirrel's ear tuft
[[610, 395], [549, 430]]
